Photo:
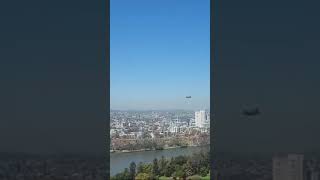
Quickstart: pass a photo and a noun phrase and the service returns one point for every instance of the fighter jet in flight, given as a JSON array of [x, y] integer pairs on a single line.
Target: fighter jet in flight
[[188, 97], [252, 112]]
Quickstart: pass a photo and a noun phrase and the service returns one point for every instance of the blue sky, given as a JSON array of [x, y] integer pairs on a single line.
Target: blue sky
[[159, 53]]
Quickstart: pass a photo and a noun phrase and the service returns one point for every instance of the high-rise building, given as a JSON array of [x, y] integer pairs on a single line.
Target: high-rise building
[[200, 118], [207, 124], [288, 167]]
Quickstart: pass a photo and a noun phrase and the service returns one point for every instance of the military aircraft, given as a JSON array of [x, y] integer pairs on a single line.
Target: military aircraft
[[188, 97], [252, 112]]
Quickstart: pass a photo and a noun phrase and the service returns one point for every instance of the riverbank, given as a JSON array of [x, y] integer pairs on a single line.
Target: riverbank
[[164, 148], [120, 161]]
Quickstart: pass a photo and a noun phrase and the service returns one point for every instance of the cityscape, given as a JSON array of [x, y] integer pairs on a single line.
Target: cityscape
[[155, 130], [177, 139], [160, 90], [159, 65]]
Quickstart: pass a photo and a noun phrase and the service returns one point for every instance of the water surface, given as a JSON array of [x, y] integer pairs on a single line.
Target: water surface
[[119, 161]]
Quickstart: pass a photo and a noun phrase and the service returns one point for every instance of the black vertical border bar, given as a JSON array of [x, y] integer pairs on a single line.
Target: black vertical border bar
[[212, 59], [106, 41]]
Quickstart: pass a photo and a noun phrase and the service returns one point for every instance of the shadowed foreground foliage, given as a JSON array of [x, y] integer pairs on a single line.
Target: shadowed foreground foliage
[[192, 167]]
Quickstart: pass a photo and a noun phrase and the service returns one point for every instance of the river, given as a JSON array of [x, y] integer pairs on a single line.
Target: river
[[119, 161]]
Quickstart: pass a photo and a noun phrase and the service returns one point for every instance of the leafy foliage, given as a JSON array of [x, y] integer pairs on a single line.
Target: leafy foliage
[[181, 167], [143, 176], [132, 170]]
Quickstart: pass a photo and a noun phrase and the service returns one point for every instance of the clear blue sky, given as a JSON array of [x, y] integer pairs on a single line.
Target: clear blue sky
[[160, 53]]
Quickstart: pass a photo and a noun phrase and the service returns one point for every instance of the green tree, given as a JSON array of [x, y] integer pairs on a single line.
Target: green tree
[[126, 174], [188, 169], [195, 162], [122, 176], [155, 167], [147, 168], [143, 176], [180, 160], [132, 170], [169, 169], [203, 171], [179, 168], [204, 160], [162, 165], [140, 168], [179, 172], [154, 177]]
